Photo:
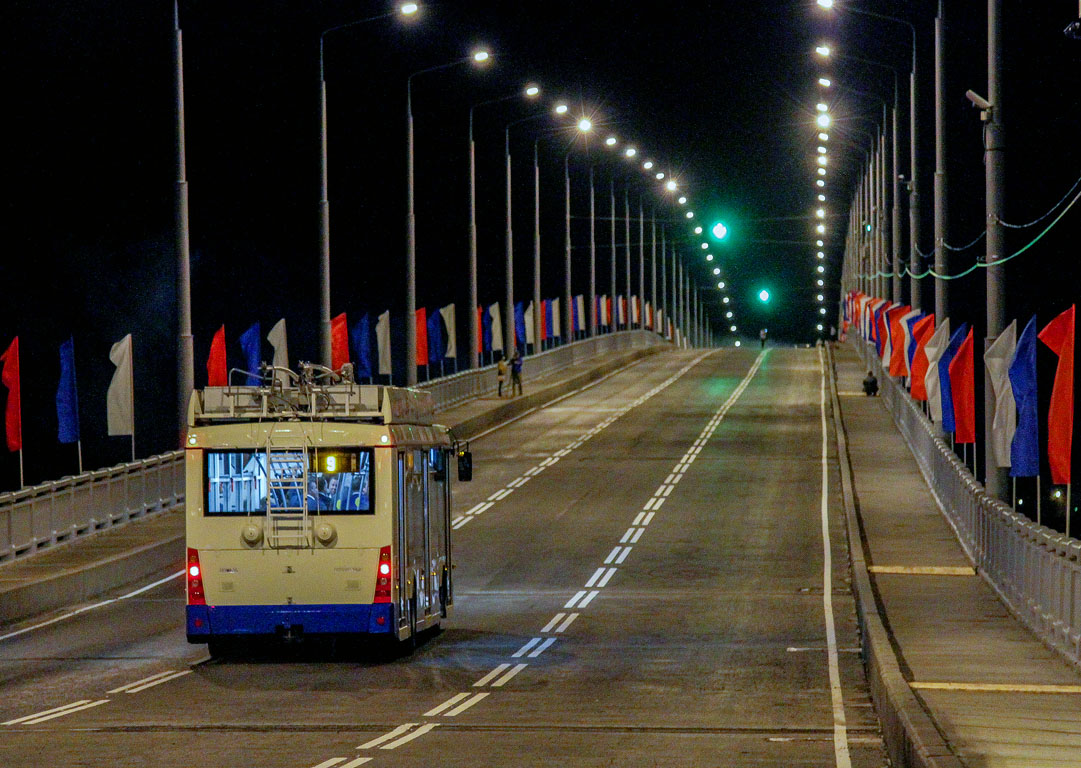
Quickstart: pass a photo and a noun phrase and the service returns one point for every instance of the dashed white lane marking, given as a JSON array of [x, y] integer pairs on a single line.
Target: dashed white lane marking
[[613, 555], [638, 518], [563, 627], [658, 502], [502, 493], [623, 555], [648, 518], [329, 763], [607, 577], [446, 704], [493, 674], [410, 736], [462, 707], [574, 600], [627, 536], [356, 761], [150, 682], [589, 599], [637, 535], [518, 483], [387, 736], [596, 575], [840, 727], [555, 620], [334, 761], [506, 678], [668, 490], [49, 714], [461, 523], [525, 648], [542, 648]]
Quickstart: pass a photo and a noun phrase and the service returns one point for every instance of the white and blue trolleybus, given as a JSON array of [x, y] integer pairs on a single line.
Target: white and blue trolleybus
[[316, 506]]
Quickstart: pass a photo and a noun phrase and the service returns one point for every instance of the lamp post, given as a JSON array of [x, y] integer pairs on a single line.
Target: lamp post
[[406, 9], [185, 355], [411, 222]]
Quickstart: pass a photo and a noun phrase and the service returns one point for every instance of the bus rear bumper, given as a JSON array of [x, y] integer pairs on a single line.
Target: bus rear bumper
[[207, 622]]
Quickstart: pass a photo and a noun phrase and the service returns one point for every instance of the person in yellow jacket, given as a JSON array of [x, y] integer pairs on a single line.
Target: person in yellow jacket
[[501, 373]]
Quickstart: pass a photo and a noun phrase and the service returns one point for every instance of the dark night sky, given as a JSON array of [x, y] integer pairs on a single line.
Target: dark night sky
[[722, 93]]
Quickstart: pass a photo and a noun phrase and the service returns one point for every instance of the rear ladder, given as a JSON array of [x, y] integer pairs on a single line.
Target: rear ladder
[[288, 525]]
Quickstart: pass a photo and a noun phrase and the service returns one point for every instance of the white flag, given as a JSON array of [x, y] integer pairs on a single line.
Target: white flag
[[634, 310], [497, 327], [997, 358], [603, 314], [452, 335], [936, 345], [529, 334], [120, 400], [887, 338], [382, 343], [278, 342], [580, 303], [555, 317]]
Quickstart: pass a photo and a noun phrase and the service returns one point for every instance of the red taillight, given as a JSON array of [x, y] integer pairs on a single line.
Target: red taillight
[[195, 581], [382, 577]]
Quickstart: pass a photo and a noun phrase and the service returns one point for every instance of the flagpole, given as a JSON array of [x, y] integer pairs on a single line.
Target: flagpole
[[1069, 487], [79, 448], [1038, 500], [22, 484], [131, 382]]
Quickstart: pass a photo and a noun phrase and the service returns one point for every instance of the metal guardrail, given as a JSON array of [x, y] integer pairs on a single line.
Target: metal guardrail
[[1035, 570], [42, 516]]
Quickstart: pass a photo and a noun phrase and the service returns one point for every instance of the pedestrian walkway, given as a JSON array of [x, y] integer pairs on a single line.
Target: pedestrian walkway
[[78, 571], [999, 697]]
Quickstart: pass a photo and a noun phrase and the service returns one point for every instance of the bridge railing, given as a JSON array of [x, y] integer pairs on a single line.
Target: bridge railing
[[1035, 570], [42, 516]]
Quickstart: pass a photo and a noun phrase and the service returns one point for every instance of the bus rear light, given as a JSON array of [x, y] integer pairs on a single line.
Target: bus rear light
[[382, 577], [195, 581]]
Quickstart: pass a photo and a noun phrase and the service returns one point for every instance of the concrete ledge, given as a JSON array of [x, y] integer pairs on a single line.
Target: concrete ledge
[[911, 736]]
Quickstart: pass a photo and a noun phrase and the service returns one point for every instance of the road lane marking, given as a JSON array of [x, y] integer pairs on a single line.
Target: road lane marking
[[18, 720], [41, 717], [525, 648], [356, 761], [446, 704], [461, 523], [461, 707], [607, 577], [596, 575], [506, 678], [123, 688], [612, 555], [574, 600], [648, 518], [387, 736], [623, 555], [627, 535], [637, 535], [589, 599], [410, 736], [329, 763], [542, 648], [555, 620], [135, 687], [638, 518], [570, 619], [519, 482], [840, 727], [995, 687], [494, 673], [924, 570]]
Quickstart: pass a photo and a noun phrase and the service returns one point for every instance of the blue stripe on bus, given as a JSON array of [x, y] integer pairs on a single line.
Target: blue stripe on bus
[[204, 622]]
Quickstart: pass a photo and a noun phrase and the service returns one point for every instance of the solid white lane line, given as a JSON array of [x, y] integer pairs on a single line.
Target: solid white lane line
[[329, 763], [648, 518], [574, 600], [555, 620], [525, 648], [840, 727], [92, 606], [627, 535], [637, 535], [623, 555], [596, 575], [638, 518], [446, 704], [607, 577], [72, 710], [123, 688], [159, 681], [542, 647], [18, 720], [506, 678], [589, 599], [612, 555], [412, 735], [387, 736], [491, 675], [567, 623], [460, 708]]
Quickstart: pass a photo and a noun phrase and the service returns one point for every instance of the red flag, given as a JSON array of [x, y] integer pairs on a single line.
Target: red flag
[[480, 331], [963, 391], [422, 336], [1058, 335], [216, 373], [922, 331], [544, 319], [13, 414], [339, 342]]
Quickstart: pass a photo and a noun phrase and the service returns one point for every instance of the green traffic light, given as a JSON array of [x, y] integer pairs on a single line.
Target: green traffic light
[[719, 230]]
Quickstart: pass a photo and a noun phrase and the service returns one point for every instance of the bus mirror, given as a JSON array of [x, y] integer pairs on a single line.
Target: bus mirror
[[465, 466]]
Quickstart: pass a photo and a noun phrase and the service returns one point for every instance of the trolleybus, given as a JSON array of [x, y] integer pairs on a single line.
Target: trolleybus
[[316, 506]]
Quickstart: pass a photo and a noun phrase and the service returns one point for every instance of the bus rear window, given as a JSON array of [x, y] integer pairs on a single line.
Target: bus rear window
[[336, 482]]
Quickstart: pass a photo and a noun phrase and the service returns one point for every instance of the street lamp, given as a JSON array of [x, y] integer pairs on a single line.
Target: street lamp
[[477, 57]]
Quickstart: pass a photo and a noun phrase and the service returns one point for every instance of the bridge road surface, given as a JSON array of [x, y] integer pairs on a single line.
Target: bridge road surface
[[585, 633]]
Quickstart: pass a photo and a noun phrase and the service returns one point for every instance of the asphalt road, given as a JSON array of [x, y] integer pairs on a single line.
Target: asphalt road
[[645, 588]]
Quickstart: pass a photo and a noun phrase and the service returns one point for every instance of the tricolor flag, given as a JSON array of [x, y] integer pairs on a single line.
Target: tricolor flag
[[217, 374], [250, 343], [949, 419], [1058, 335], [997, 360], [1025, 447], [339, 342], [13, 414], [922, 332], [934, 349], [963, 391], [907, 345], [382, 343]]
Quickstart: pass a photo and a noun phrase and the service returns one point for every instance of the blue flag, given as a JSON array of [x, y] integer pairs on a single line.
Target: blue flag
[[250, 342], [361, 341], [1025, 448], [67, 396], [958, 337], [486, 331], [435, 337], [549, 328], [519, 325]]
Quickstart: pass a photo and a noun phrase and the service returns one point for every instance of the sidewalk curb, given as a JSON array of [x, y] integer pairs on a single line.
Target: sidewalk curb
[[84, 583], [912, 738]]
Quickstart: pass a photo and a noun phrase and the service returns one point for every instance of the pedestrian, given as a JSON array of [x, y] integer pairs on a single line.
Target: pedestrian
[[516, 373], [762, 337], [870, 385], [501, 373]]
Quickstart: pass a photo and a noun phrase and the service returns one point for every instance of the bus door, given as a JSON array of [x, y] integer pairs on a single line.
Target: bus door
[[413, 552], [438, 506]]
